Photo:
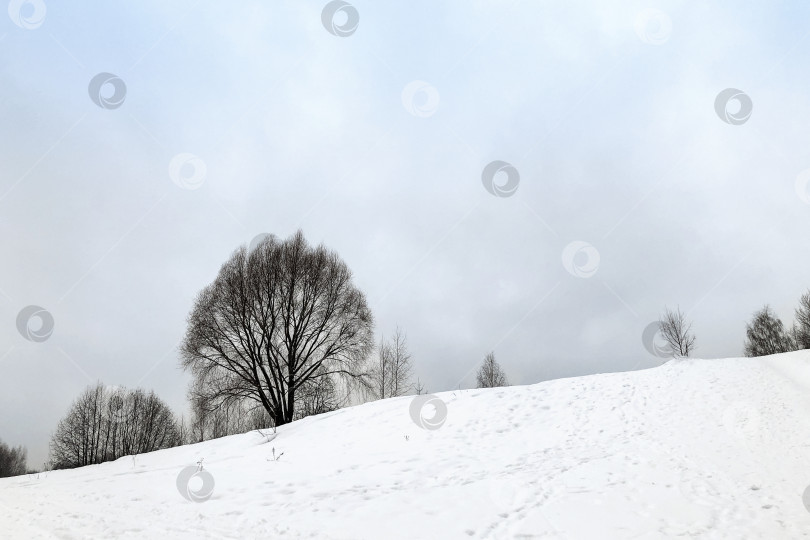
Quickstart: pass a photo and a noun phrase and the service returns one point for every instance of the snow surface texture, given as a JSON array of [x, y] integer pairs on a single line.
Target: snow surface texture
[[694, 448]]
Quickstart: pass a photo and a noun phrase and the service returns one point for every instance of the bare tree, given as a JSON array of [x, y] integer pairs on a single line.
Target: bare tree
[[183, 431], [76, 440], [12, 460], [765, 335], [274, 320], [392, 370], [104, 424], [490, 373], [677, 332], [401, 365], [802, 324], [380, 372]]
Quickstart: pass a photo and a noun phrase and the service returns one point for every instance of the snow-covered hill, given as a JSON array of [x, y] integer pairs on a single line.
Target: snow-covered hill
[[694, 448]]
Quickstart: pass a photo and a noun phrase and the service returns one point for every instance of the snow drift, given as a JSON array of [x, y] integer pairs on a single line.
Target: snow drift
[[694, 448]]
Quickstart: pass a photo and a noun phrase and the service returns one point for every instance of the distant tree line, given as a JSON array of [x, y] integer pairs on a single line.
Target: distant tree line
[[12, 460], [765, 333], [105, 424], [283, 333]]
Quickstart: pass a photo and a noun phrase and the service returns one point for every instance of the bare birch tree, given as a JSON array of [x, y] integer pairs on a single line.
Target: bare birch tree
[[401, 365], [802, 325], [392, 369], [677, 332], [490, 374], [380, 372]]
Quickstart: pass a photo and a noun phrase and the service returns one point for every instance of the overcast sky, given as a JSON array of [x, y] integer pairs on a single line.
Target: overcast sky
[[635, 187]]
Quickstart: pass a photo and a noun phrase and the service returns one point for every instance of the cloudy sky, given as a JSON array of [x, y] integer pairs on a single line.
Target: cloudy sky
[[636, 186]]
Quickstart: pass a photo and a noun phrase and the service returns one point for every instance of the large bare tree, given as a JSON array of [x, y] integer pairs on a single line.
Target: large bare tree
[[490, 374], [277, 320], [677, 332]]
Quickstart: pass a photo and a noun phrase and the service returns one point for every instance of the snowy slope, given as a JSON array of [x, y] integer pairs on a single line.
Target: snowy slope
[[695, 448]]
